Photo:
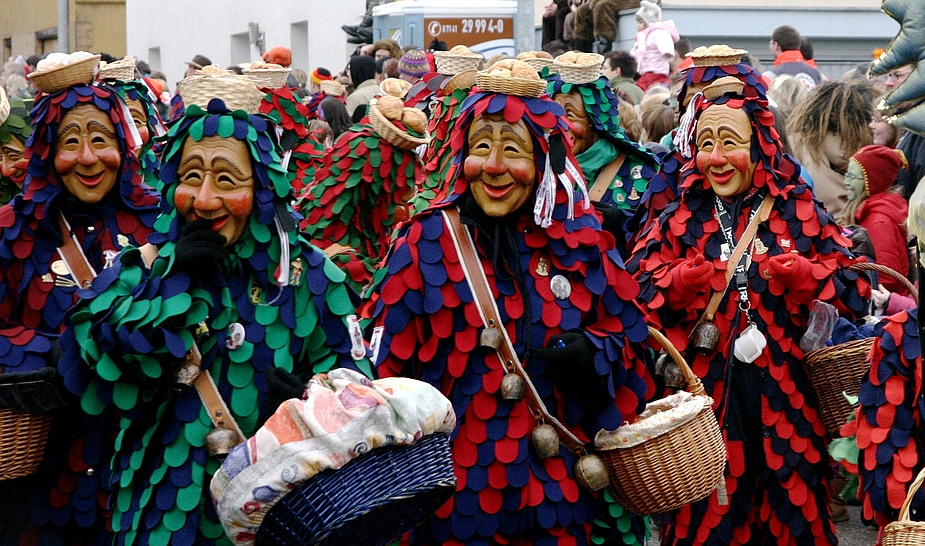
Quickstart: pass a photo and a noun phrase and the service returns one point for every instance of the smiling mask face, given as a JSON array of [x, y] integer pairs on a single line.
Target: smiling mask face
[[724, 150], [216, 183], [500, 167], [87, 154]]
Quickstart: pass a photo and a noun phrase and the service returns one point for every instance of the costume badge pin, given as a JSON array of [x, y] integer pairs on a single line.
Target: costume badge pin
[[235, 336], [295, 272], [542, 267], [634, 194], [256, 294], [47, 277], [58, 267], [636, 172], [760, 248], [561, 287], [357, 344], [785, 243], [122, 240]]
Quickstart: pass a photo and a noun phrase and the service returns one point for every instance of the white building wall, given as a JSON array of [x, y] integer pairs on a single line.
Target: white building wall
[[168, 32]]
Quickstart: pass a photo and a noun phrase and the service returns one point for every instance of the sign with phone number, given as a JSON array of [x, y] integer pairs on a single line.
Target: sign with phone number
[[468, 31]]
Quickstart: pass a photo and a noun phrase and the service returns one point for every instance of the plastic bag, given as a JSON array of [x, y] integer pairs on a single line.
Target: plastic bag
[[822, 317]]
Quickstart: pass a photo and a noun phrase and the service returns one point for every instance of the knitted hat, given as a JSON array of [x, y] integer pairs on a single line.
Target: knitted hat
[[278, 55], [320, 74], [414, 63], [649, 12], [881, 166]]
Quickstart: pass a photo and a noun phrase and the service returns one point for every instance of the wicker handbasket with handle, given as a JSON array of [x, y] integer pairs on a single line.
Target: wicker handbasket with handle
[[679, 467], [23, 435], [905, 532], [840, 369]]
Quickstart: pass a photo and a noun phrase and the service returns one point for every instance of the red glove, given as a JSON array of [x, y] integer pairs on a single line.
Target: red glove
[[689, 279], [796, 273]]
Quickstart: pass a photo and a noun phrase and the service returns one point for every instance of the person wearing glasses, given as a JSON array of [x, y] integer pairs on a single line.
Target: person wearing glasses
[[912, 144]]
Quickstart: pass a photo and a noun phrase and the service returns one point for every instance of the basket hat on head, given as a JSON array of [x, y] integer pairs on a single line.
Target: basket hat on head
[[279, 55], [649, 12], [881, 166], [414, 63], [199, 61]]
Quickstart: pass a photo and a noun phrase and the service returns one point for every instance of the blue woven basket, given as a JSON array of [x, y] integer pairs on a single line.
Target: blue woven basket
[[371, 500]]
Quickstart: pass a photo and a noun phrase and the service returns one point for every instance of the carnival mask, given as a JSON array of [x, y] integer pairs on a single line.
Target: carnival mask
[[582, 132], [854, 180], [13, 165], [216, 182], [500, 166], [140, 117], [724, 150], [87, 157]]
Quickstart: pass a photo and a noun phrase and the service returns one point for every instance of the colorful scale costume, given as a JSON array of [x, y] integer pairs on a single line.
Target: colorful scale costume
[[358, 198], [66, 502], [444, 111], [632, 178], [313, 106], [136, 323], [889, 424], [778, 474], [506, 494], [663, 186], [291, 118], [138, 90], [18, 125]]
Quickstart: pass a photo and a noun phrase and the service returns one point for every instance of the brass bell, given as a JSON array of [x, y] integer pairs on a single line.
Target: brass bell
[[705, 337], [545, 441], [187, 373], [591, 474], [490, 339], [220, 441], [512, 387]]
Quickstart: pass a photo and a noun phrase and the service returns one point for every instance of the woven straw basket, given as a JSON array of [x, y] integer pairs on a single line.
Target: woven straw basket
[[463, 80], [679, 467], [23, 436], [389, 132], [238, 92], [332, 88], [271, 78], [841, 368], [82, 72], [520, 87], [905, 532], [540, 63], [122, 70], [580, 73], [726, 58], [451, 64]]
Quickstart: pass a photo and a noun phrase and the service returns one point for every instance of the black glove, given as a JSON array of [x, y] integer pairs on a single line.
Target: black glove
[[200, 251], [282, 385], [571, 358], [612, 220]]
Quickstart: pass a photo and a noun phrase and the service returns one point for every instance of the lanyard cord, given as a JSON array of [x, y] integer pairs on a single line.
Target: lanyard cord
[[727, 227]]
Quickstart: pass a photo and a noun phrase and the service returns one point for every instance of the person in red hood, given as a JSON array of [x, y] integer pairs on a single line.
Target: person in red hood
[[872, 171]]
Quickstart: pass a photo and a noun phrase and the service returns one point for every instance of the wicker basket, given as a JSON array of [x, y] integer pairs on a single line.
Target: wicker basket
[[122, 70], [580, 73], [333, 88], [270, 78], [23, 436], [389, 132], [451, 64], [539, 63], [371, 500], [463, 80], [905, 532], [679, 467], [520, 87], [841, 368], [81, 72], [725, 58], [238, 92]]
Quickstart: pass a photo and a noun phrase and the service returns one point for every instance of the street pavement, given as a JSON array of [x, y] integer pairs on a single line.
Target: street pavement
[[851, 532]]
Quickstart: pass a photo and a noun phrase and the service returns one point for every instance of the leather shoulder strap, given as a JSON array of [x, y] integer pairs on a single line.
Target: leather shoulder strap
[[73, 256], [488, 311], [605, 177]]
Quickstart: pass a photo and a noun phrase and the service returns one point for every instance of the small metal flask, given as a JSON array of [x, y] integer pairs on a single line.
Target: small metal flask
[[591, 473], [512, 388], [545, 441], [705, 337], [220, 441]]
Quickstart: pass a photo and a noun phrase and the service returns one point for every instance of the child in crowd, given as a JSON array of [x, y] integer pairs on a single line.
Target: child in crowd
[[654, 46]]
